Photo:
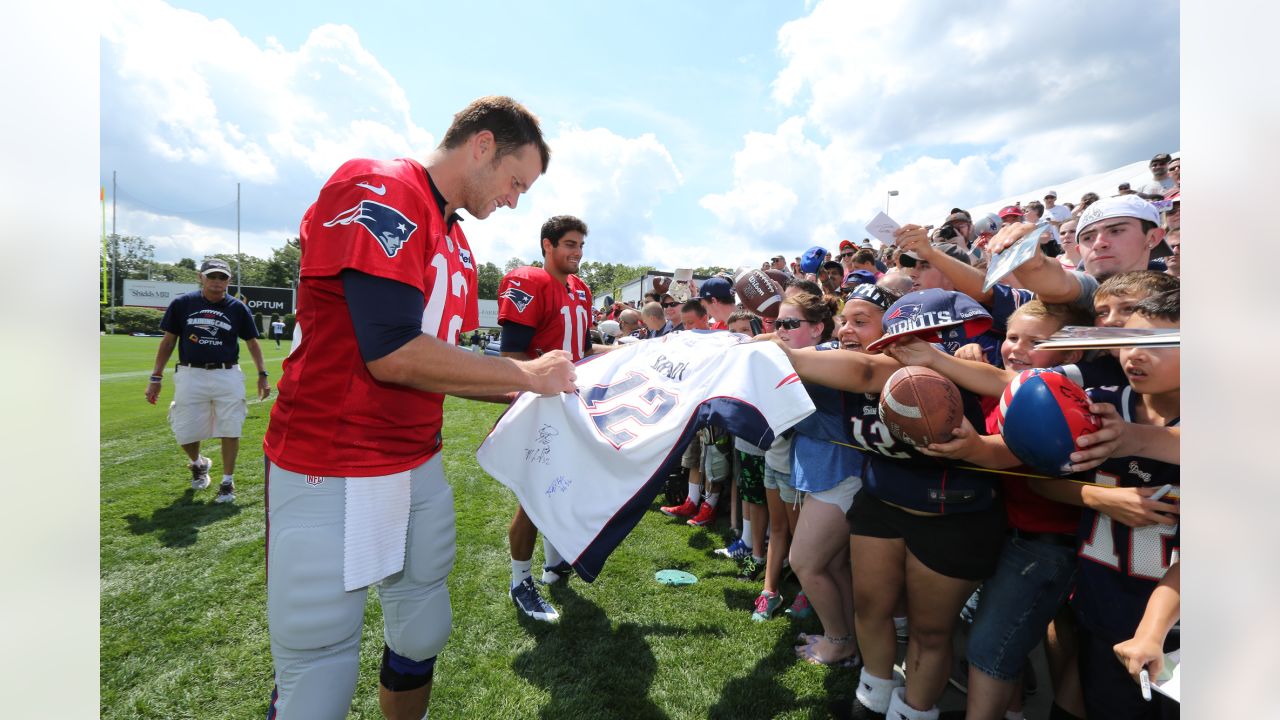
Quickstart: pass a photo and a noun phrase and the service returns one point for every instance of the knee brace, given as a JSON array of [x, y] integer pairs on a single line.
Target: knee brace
[[399, 673]]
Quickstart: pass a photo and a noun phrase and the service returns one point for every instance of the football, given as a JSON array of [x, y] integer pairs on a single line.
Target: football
[[1041, 415], [758, 292], [920, 406]]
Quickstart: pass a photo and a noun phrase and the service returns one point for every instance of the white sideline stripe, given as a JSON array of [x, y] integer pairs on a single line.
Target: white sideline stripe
[[910, 411]]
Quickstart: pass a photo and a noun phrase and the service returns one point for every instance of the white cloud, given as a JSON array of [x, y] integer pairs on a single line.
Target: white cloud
[[950, 107], [190, 107], [613, 183]]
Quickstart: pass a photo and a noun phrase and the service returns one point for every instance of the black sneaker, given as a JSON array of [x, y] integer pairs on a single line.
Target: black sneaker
[[862, 712], [226, 493], [750, 568], [556, 573], [528, 601]]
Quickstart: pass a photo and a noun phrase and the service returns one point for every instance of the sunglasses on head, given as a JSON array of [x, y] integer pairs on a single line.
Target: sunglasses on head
[[789, 323]]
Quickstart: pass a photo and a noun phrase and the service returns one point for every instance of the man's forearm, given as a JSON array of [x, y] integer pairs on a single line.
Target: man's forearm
[[164, 352], [427, 363], [255, 351], [1046, 277]]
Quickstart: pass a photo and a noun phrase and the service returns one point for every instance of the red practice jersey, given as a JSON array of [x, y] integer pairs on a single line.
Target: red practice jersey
[[332, 418], [559, 314]]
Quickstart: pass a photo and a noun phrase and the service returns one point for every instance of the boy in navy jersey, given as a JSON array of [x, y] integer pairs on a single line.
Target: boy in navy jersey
[[1123, 556]]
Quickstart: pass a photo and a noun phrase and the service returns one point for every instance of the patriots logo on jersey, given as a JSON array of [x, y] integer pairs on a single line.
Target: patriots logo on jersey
[[582, 295], [386, 224], [466, 258], [519, 298]]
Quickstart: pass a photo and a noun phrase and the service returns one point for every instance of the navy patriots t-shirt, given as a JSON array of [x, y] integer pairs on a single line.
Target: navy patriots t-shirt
[[207, 332]]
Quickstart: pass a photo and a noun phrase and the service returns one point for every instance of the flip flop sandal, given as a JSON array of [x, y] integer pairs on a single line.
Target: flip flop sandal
[[809, 655]]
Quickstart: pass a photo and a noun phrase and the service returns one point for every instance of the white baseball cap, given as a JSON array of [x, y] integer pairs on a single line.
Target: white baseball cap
[[1118, 206]]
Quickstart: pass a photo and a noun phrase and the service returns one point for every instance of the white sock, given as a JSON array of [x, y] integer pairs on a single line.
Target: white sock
[[746, 533], [695, 493], [1014, 715], [228, 479], [553, 556], [874, 692], [520, 570], [900, 710], [712, 498]]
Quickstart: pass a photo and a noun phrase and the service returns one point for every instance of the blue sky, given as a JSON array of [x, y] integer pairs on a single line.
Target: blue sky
[[683, 133]]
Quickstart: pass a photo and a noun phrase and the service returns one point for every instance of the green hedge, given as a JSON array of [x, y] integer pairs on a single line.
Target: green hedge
[[134, 319]]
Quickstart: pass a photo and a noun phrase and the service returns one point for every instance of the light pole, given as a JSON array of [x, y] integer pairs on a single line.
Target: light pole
[[891, 193]]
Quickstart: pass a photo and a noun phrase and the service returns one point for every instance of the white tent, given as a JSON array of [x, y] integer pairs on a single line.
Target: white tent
[[1105, 184]]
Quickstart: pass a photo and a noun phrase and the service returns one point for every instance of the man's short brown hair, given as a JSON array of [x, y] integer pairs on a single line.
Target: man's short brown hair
[[1137, 284], [556, 227], [512, 125]]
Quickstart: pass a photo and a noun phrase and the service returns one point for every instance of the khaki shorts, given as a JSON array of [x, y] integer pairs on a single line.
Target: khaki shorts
[[207, 404]]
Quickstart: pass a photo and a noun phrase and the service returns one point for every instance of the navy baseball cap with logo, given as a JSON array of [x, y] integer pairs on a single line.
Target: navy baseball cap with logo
[[716, 287], [214, 265], [933, 315], [858, 277], [812, 259]]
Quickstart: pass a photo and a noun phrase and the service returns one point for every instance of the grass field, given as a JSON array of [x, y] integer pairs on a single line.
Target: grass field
[[183, 604]]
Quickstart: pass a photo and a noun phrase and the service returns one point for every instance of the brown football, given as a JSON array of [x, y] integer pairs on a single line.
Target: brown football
[[920, 406], [758, 292]]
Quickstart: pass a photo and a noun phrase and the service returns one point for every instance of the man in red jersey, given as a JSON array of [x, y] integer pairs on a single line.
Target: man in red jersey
[[356, 494], [540, 310]]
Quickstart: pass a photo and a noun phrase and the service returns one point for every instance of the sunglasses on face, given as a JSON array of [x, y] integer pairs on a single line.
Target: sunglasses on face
[[789, 323], [670, 305], [846, 254]]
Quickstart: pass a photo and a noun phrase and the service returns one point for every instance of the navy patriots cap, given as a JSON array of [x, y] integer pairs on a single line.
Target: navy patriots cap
[[933, 315]]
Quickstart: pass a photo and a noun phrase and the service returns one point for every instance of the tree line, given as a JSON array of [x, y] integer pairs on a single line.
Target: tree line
[[134, 259]]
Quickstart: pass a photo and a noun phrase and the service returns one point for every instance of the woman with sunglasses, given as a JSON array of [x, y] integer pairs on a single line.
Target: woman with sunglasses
[[827, 469], [918, 521]]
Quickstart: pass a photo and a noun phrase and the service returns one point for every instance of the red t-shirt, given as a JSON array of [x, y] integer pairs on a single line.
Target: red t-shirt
[[1026, 510], [559, 314], [331, 417]]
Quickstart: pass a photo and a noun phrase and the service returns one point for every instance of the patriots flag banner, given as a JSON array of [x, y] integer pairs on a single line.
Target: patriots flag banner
[[585, 466]]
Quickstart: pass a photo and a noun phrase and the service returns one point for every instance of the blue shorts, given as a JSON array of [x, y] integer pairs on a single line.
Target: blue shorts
[[780, 481], [1031, 583]]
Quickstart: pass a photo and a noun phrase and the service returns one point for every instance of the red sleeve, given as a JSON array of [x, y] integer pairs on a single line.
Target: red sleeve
[[521, 298], [371, 222]]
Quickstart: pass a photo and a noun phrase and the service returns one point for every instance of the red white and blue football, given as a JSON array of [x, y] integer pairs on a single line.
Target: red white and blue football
[[1041, 415]]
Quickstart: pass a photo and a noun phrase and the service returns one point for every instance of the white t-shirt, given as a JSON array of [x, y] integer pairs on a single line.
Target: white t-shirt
[[587, 466], [1058, 213]]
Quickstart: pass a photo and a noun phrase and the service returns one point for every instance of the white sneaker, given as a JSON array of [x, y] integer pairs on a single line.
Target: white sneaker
[[226, 493], [552, 575], [200, 473]]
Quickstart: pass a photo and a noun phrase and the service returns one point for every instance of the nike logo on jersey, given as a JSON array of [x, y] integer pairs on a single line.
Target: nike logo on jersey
[[515, 282], [375, 189]]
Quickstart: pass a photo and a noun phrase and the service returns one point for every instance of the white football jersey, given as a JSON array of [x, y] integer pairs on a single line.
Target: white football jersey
[[586, 466]]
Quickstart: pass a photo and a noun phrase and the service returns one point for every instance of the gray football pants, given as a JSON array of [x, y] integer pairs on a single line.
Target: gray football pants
[[315, 624]]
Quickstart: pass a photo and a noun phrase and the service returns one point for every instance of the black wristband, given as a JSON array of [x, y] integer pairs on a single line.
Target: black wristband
[[157, 378], [262, 373]]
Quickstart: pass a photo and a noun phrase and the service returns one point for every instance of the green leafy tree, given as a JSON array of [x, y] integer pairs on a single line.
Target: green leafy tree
[[710, 270], [490, 277], [132, 257], [282, 269], [512, 264], [187, 263]]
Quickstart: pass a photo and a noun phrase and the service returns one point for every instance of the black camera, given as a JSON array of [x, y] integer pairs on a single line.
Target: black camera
[[946, 232]]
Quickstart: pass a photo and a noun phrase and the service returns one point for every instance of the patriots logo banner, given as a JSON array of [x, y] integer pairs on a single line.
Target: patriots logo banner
[[519, 298], [386, 224]]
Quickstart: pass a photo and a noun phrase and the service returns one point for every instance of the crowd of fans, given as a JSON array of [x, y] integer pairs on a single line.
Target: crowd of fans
[[1008, 558]]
